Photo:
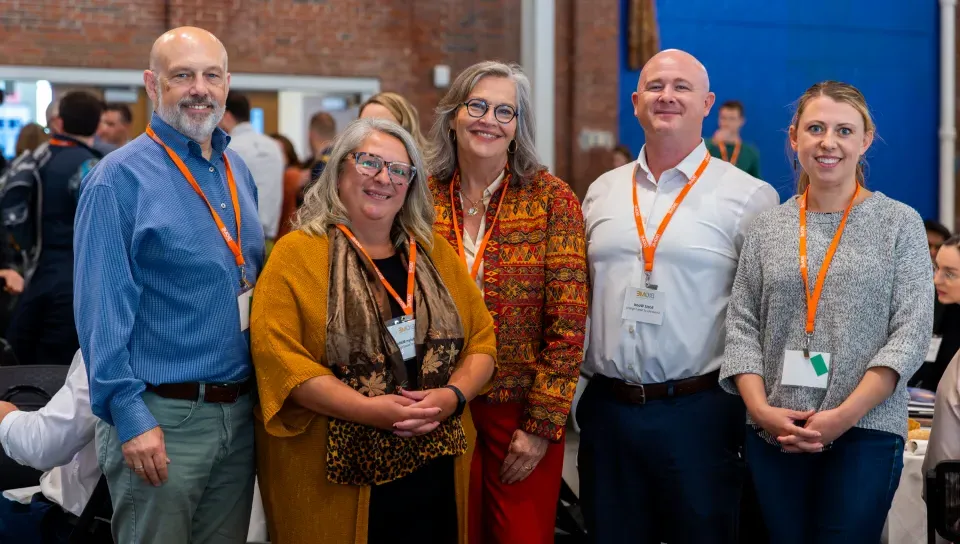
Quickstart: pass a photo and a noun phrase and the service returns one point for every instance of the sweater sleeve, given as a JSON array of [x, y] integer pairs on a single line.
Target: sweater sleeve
[[564, 315], [911, 308], [743, 353], [278, 327]]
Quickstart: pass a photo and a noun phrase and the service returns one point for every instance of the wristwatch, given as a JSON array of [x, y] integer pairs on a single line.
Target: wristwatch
[[461, 400]]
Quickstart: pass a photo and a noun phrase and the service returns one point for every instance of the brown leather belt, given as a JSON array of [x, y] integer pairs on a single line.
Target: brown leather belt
[[223, 393], [641, 394]]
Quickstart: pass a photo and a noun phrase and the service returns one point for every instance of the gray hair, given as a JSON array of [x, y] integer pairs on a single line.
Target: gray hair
[[442, 156], [322, 207]]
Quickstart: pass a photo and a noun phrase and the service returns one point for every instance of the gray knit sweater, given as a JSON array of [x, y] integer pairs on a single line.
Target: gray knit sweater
[[876, 308]]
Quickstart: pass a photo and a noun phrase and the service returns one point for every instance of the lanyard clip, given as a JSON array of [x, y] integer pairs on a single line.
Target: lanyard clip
[[806, 345], [244, 284], [646, 276]]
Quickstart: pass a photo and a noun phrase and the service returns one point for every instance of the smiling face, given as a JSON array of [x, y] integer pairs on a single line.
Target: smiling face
[[829, 138], [485, 137], [188, 81], [673, 96], [947, 275], [377, 198]]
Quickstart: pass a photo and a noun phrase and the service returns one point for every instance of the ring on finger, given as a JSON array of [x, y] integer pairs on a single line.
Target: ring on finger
[[138, 469]]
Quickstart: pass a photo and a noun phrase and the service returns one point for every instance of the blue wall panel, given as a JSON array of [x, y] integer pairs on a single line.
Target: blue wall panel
[[766, 53]]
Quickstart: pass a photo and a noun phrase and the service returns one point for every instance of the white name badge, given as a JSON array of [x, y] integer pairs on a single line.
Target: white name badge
[[933, 349], [806, 372], [244, 300], [644, 305], [402, 330]]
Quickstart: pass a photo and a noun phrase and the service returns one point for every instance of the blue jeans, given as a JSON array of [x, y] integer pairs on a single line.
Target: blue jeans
[[839, 496], [666, 471], [38, 522]]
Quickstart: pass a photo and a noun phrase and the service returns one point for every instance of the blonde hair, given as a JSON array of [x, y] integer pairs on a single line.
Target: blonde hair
[[843, 93], [30, 138], [401, 108], [442, 155], [322, 207]]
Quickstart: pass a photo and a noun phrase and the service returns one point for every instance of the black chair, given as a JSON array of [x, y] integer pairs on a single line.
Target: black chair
[[30, 388], [93, 527], [569, 518], [943, 501]]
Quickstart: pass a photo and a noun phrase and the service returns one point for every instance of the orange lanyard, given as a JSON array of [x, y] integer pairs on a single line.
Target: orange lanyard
[[234, 245], [486, 237], [650, 248], [61, 143], [407, 306], [723, 151], [814, 299]]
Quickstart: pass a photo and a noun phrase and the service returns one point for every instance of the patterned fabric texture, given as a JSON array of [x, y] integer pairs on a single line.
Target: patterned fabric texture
[[535, 286]]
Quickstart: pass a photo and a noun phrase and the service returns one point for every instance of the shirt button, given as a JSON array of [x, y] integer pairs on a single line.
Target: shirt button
[[631, 329], [223, 205], [212, 169]]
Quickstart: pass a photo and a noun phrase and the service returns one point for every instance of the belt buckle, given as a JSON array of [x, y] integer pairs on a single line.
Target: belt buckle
[[230, 392], [643, 394]]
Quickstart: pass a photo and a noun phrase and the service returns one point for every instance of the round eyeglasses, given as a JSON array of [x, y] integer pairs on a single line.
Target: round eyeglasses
[[503, 113], [400, 173]]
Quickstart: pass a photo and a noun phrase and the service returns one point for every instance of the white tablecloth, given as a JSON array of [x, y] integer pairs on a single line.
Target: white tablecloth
[[907, 520]]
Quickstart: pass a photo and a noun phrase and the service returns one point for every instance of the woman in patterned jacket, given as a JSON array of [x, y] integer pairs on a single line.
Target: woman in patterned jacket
[[520, 232]]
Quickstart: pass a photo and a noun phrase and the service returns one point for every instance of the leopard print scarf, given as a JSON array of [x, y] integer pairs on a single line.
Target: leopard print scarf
[[364, 356]]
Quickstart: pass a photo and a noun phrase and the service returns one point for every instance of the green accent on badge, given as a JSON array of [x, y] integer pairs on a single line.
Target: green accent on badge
[[819, 365]]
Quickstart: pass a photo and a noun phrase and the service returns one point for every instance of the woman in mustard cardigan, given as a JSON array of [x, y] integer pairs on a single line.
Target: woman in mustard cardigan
[[368, 339]]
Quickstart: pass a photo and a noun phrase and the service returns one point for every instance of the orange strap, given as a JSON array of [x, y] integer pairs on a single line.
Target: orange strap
[[486, 237], [814, 299], [62, 143], [234, 245], [723, 151], [411, 270], [650, 248]]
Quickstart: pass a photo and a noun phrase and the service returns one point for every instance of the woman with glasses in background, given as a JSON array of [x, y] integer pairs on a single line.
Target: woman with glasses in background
[[519, 230], [368, 340]]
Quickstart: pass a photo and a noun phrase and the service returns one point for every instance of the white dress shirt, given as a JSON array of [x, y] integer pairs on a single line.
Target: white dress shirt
[[263, 157], [57, 439], [472, 244], [694, 265]]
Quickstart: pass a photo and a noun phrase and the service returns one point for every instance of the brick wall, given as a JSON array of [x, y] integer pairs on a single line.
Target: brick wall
[[397, 41]]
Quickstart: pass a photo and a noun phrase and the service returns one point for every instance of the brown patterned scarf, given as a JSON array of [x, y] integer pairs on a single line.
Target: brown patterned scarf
[[363, 354]]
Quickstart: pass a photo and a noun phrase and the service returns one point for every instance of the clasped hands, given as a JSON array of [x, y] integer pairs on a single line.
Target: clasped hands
[[820, 429], [413, 413]]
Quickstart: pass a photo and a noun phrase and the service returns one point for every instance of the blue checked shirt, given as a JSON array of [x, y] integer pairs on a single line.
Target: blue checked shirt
[[155, 285]]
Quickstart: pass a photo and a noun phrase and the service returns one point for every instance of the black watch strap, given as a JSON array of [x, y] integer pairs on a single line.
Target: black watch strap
[[461, 400]]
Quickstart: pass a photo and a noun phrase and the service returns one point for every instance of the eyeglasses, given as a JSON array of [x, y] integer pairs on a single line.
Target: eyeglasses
[[504, 113], [400, 173]]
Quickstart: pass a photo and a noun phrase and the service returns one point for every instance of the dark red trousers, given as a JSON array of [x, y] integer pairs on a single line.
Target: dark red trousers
[[508, 514]]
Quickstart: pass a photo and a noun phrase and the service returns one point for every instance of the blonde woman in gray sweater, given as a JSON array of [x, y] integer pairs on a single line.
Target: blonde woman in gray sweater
[[830, 315]]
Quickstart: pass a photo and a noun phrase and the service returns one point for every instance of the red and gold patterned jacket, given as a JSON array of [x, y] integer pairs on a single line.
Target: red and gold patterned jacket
[[535, 286]]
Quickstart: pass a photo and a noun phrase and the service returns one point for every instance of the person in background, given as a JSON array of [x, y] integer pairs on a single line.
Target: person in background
[[30, 138], [659, 442], [3, 160], [937, 234], [55, 126], [262, 156], [519, 231], [820, 345], [57, 439], [168, 248], [294, 178], [396, 108], [944, 444], [621, 155], [115, 122], [42, 329], [363, 393], [726, 143], [323, 128]]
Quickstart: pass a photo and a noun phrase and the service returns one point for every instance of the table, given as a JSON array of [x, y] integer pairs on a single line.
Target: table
[[907, 520]]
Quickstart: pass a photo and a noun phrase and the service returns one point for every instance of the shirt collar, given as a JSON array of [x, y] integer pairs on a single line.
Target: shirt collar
[[688, 166], [492, 188], [183, 146]]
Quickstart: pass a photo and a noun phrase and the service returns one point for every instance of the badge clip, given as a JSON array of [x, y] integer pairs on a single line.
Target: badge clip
[[806, 346]]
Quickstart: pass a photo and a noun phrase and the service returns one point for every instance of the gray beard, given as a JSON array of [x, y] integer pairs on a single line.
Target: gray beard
[[176, 118]]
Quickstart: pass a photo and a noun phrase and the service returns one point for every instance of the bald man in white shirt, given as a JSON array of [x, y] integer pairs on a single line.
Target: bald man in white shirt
[[659, 451]]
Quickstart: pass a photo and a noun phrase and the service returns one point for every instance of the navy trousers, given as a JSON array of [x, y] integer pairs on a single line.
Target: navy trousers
[[840, 496], [669, 470]]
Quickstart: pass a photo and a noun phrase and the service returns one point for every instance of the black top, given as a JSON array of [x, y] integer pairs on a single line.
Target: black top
[[61, 177], [395, 272]]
